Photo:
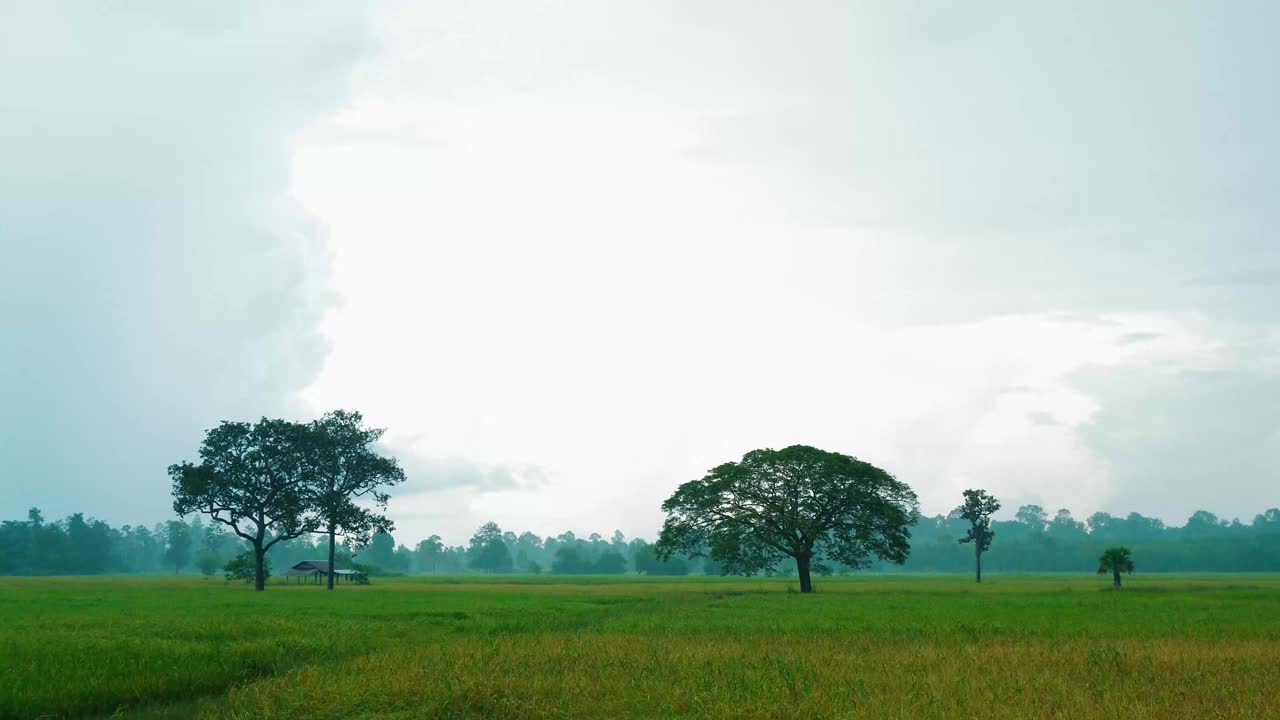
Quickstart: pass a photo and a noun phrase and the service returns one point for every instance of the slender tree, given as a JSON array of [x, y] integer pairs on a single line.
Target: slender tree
[[255, 478], [178, 543], [798, 502], [977, 509], [1115, 560], [348, 468], [430, 549]]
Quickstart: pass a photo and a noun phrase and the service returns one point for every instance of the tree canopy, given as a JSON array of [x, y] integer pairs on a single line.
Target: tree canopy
[[256, 479], [488, 550], [1115, 560], [348, 468], [798, 502]]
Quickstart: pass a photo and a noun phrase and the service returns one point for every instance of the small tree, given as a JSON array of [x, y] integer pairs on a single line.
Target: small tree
[[255, 478], [798, 502], [977, 509], [1115, 560]]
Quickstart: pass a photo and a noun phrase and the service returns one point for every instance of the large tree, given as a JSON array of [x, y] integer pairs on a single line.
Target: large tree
[[798, 502], [348, 469], [380, 552], [429, 551], [978, 507], [488, 551], [255, 478]]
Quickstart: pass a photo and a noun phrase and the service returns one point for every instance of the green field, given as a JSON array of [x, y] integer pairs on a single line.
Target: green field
[[513, 647]]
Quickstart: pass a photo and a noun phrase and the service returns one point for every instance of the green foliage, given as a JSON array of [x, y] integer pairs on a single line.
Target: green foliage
[[256, 478], [488, 552], [1115, 560], [798, 502], [242, 567], [274, 480], [364, 572], [429, 553], [380, 552], [207, 563], [610, 562], [347, 467], [80, 545], [569, 561], [978, 508], [178, 543], [646, 561]]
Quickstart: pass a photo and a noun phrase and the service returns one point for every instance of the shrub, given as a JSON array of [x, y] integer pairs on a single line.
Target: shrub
[[241, 567]]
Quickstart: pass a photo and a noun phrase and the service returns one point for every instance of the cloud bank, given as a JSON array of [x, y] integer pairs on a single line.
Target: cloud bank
[[155, 275]]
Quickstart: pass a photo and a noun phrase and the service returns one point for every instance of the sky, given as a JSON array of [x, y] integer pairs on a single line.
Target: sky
[[573, 253]]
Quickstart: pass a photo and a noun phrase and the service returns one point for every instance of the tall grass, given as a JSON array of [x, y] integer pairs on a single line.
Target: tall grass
[[503, 647]]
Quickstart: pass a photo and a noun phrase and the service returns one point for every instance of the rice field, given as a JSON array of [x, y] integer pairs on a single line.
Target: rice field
[[525, 647]]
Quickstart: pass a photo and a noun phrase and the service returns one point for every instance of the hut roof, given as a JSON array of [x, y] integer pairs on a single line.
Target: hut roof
[[311, 567]]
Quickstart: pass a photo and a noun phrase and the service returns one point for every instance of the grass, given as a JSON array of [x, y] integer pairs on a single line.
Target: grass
[[524, 647]]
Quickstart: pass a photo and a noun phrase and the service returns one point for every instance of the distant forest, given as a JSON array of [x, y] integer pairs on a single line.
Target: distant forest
[[1032, 542]]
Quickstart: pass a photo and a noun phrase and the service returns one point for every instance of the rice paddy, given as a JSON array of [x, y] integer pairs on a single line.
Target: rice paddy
[[525, 647]]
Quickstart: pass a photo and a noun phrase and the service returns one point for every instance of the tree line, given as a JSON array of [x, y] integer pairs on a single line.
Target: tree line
[[1033, 541], [273, 487]]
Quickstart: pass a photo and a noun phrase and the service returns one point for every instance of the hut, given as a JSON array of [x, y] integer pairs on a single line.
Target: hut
[[317, 570]]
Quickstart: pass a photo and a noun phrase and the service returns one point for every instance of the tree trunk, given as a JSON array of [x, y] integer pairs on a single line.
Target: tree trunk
[[802, 569], [333, 531], [259, 574], [977, 556], [1115, 579]]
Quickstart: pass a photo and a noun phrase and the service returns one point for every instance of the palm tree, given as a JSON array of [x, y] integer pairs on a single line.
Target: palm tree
[[1115, 561]]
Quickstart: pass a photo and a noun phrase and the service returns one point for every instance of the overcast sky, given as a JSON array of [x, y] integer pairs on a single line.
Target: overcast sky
[[573, 253]]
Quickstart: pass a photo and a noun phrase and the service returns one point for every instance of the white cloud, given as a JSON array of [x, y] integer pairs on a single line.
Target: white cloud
[[587, 250], [157, 277]]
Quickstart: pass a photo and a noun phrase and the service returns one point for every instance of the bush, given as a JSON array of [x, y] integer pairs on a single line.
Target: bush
[[363, 572], [241, 568], [208, 563]]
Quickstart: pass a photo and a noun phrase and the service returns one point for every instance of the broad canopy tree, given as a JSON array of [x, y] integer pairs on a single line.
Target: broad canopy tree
[[256, 479], [798, 502], [978, 508], [488, 551], [276, 480], [431, 549]]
